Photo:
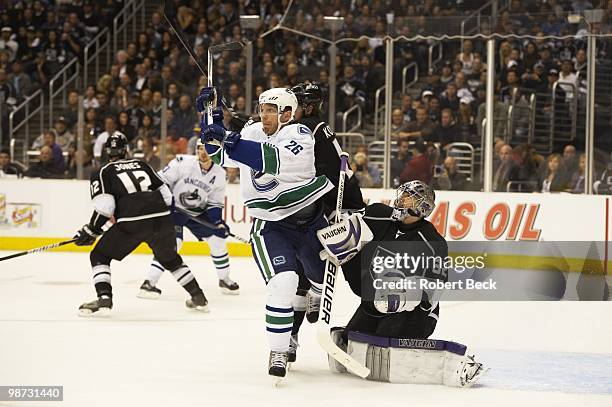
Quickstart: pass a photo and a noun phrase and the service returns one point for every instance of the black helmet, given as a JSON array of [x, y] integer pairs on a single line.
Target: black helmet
[[309, 94], [116, 145]]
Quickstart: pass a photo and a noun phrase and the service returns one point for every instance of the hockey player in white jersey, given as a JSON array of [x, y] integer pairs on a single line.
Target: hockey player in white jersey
[[282, 193], [198, 188]]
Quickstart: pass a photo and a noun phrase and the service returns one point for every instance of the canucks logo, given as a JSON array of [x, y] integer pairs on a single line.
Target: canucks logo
[[262, 186], [190, 199]]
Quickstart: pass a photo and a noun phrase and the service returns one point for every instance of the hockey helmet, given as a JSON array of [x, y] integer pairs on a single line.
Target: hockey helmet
[[309, 94], [414, 198], [116, 145], [282, 98]]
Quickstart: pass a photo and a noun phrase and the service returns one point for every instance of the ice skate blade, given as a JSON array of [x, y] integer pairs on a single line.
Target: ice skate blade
[[278, 381], [227, 291], [87, 313], [148, 295], [200, 308]]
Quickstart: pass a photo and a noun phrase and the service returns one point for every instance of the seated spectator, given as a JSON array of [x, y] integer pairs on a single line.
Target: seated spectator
[[63, 136], [554, 177], [576, 179], [184, 119], [407, 109], [71, 111], [397, 123], [90, 101], [507, 170], [48, 139], [447, 132], [150, 156], [420, 167], [447, 75], [20, 81], [421, 128], [570, 160], [467, 57], [506, 94], [125, 127], [110, 128], [449, 98], [447, 178], [7, 167], [398, 163], [46, 167], [76, 157], [567, 78], [368, 174], [147, 130], [8, 43], [233, 175]]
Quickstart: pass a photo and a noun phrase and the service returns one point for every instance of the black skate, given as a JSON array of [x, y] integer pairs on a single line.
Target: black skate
[[277, 365], [293, 345], [99, 307], [198, 303], [313, 303], [229, 287], [148, 291]]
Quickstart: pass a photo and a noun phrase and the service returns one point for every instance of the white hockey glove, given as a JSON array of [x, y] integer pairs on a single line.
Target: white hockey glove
[[343, 240]]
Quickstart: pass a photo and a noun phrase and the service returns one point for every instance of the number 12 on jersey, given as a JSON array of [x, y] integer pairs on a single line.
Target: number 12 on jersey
[[135, 181]]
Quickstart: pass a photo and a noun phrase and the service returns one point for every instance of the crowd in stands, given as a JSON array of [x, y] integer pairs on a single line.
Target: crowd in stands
[[448, 108]]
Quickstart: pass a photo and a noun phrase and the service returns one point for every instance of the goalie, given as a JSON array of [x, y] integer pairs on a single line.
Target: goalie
[[389, 331]]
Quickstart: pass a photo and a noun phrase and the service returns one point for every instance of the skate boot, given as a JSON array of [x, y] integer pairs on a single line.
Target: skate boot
[[277, 365], [198, 303], [313, 303], [293, 345], [148, 291], [229, 287], [99, 307]]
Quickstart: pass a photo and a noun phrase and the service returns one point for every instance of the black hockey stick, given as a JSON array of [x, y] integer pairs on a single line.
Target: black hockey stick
[[38, 249], [327, 298], [209, 225]]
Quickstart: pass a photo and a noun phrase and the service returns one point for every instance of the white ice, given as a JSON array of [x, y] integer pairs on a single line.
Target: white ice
[[157, 353]]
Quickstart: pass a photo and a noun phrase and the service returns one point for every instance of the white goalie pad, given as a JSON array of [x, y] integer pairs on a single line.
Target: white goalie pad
[[343, 240], [412, 361]]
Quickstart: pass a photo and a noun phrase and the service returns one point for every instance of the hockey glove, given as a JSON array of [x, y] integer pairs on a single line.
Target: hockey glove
[[85, 236], [217, 132], [206, 96], [222, 230], [342, 241]]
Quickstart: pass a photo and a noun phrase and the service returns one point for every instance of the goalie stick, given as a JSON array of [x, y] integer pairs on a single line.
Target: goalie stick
[[327, 297], [209, 225], [38, 249]]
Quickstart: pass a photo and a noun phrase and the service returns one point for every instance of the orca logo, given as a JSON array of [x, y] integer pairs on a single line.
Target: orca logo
[[278, 260], [262, 186]]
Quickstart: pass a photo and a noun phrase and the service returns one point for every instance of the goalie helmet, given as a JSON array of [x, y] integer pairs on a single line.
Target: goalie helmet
[[414, 198], [116, 145]]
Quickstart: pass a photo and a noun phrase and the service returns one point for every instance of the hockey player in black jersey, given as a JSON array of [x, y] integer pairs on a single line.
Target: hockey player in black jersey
[[327, 162], [394, 323], [131, 191]]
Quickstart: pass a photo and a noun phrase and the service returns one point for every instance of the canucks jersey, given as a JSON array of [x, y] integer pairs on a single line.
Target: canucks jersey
[[288, 181], [195, 190]]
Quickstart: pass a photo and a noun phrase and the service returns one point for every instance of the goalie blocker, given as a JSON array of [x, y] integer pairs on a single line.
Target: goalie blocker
[[409, 361]]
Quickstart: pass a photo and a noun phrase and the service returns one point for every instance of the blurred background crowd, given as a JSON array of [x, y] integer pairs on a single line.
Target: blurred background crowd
[[436, 122]]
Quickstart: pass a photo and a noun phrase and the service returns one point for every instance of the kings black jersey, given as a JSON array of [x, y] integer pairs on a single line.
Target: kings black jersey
[[135, 188], [327, 162]]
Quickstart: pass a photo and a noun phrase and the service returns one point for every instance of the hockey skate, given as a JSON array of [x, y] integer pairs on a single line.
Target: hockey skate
[[471, 371], [198, 303], [313, 303], [99, 307], [277, 366], [148, 291], [293, 345], [229, 287]]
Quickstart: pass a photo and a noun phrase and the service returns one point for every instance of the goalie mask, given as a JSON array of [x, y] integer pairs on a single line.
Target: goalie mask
[[414, 198]]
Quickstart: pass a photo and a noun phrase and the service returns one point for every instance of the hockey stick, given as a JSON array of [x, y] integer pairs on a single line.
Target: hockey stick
[[236, 45], [38, 249], [329, 283], [209, 225]]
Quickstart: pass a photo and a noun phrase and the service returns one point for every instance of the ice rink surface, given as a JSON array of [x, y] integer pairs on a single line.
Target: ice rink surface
[[157, 353]]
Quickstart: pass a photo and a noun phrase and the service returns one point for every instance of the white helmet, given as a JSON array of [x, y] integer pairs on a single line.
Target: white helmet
[[282, 98]]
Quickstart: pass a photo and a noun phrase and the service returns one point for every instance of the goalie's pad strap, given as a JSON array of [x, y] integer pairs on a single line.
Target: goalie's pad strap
[[408, 343]]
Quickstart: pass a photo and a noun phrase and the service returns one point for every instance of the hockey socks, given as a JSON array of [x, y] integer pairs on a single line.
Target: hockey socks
[[279, 310]]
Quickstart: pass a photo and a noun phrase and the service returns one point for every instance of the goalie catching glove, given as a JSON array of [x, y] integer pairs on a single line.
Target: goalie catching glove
[[343, 240]]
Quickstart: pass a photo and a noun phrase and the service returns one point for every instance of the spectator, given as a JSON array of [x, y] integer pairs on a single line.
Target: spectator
[[63, 136], [79, 156], [46, 167], [449, 98], [398, 163], [350, 90], [506, 170], [7, 167], [7, 43], [48, 139], [567, 78], [71, 111], [90, 101], [467, 57], [368, 174], [20, 81], [233, 175], [407, 110], [570, 160], [420, 167], [184, 119], [105, 109], [110, 127], [447, 177], [125, 127], [447, 75], [421, 128], [576, 183], [398, 124], [150, 157], [554, 177], [447, 132], [147, 129]]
